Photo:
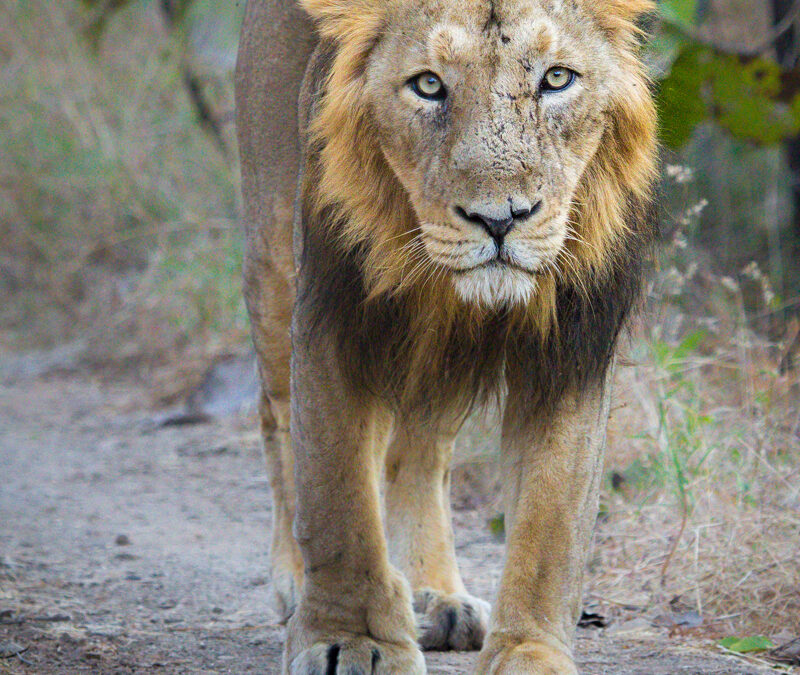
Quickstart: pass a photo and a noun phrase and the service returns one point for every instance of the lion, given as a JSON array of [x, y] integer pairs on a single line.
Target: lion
[[447, 204]]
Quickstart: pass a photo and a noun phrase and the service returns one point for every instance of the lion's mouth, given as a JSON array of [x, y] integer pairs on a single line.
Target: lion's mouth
[[496, 282], [501, 262]]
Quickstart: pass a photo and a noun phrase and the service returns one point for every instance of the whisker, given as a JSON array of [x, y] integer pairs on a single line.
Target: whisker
[[574, 236]]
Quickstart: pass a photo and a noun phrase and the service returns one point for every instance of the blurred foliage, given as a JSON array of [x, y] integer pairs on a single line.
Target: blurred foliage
[[730, 120], [743, 97], [744, 92], [209, 28], [118, 215]]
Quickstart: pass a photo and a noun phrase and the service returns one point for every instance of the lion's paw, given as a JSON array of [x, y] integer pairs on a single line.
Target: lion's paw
[[358, 655], [525, 658], [458, 622]]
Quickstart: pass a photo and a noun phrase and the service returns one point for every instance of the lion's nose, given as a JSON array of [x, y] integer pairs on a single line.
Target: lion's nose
[[499, 220]]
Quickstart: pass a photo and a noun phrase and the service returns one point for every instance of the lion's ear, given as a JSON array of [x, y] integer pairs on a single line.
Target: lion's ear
[[343, 19], [619, 18], [629, 9]]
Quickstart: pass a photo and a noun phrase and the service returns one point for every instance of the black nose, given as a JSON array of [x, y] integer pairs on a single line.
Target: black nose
[[498, 228]]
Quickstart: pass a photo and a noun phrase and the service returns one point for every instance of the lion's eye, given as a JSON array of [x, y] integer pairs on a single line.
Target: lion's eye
[[558, 79], [428, 86]]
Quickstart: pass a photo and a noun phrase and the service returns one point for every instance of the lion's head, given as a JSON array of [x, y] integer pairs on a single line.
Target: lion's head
[[486, 148]]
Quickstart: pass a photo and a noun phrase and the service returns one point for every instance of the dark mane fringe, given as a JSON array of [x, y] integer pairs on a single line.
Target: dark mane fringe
[[578, 354], [449, 364]]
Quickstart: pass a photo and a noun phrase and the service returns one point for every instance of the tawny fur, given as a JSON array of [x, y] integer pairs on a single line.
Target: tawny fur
[[392, 344]]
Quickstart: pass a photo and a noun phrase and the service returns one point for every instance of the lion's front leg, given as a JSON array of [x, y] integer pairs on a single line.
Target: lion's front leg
[[552, 469], [355, 615], [418, 523]]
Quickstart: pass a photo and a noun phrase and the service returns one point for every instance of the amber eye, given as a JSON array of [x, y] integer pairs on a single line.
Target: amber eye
[[558, 79], [429, 86]]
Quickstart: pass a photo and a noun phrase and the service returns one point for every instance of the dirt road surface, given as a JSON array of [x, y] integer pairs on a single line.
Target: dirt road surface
[[127, 546]]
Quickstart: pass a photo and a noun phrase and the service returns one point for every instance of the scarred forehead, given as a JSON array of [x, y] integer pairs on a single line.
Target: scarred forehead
[[482, 15], [463, 31], [451, 42]]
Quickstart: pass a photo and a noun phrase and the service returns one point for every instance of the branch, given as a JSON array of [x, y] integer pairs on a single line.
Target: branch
[[99, 14], [691, 33], [174, 12], [205, 114]]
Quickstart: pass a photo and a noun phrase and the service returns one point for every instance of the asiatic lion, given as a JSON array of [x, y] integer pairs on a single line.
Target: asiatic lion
[[457, 210]]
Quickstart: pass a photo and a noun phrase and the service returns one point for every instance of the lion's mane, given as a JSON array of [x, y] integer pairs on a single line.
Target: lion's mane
[[411, 340]]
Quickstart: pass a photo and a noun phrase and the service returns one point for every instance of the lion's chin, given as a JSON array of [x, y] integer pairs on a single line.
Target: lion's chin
[[495, 285]]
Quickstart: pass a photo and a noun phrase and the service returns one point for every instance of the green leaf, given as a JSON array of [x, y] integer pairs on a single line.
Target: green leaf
[[741, 96], [754, 643], [497, 526], [680, 101], [744, 95], [681, 11], [689, 344]]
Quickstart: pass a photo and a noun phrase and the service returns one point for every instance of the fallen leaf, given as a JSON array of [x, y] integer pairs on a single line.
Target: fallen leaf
[[754, 643]]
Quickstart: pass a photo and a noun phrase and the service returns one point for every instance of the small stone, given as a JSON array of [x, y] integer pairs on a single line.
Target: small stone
[[104, 630], [167, 604], [122, 540], [126, 556], [217, 610]]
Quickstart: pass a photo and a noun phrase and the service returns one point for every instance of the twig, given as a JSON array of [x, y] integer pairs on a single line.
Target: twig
[[674, 547]]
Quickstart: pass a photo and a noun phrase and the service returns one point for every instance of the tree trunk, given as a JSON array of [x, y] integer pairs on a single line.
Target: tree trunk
[[787, 48]]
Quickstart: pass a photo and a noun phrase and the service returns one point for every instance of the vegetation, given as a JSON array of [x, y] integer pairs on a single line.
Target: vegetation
[[119, 211], [700, 506]]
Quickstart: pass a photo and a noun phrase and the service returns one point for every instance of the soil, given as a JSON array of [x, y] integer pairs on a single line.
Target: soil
[[129, 545]]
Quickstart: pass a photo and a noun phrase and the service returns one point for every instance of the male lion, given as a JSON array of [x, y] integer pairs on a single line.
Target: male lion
[[464, 217]]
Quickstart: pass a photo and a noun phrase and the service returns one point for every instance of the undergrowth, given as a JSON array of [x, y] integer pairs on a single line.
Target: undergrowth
[[119, 216], [701, 506]]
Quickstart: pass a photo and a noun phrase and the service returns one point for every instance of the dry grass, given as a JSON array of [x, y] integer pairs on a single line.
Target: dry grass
[[703, 497], [118, 215], [701, 509]]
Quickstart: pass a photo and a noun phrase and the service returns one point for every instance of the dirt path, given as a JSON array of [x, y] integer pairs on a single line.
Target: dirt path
[[127, 546]]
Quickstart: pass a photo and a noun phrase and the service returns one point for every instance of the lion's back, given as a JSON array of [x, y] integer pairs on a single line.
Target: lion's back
[[276, 42]]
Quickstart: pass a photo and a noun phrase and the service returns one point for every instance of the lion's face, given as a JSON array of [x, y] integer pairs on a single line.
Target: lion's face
[[489, 115], [493, 144]]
